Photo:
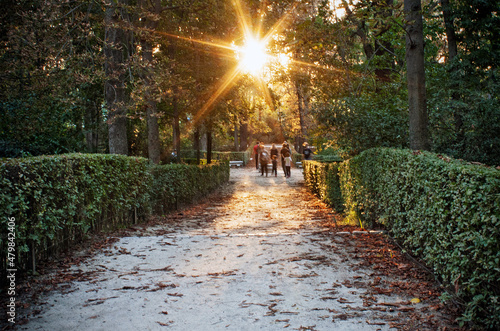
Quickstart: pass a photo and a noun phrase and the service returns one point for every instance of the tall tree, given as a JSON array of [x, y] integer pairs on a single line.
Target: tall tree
[[473, 81], [451, 38], [51, 73], [419, 138], [243, 135], [149, 21], [450, 29], [116, 52]]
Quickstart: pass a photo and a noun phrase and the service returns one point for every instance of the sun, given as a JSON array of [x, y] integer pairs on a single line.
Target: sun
[[253, 56]]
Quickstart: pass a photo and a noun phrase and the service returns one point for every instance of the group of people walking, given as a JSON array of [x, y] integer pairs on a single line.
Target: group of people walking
[[263, 157]]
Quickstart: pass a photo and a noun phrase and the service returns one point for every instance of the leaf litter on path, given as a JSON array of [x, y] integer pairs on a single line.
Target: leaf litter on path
[[225, 253]]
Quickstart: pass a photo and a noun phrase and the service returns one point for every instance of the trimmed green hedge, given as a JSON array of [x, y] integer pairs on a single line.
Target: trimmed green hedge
[[56, 200], [194, 161], [443, 210], [229, 156], [232, 156], [327, 158], [322, 179], [296, 157], [180, 183]]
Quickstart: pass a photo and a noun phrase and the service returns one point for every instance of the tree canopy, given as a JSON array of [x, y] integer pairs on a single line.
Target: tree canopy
[[149, 77]]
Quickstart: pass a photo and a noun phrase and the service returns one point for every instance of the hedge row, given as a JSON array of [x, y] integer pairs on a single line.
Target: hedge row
[[232, 156], [183, 183], [445, 211], [55, 200], [322, 179], [229, 156]]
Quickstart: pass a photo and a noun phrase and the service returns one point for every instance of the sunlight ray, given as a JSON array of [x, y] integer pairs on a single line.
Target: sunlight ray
[[244, 24], [278, 26], [318, 66], [253, 55], [252, 39], [223, 88], [267, 95], [258, 30], [228, 47]]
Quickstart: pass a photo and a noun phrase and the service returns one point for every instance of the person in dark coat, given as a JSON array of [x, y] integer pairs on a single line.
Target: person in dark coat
[[275, 166], [264, 158], [274, 151], [307, 152], [274, 160]]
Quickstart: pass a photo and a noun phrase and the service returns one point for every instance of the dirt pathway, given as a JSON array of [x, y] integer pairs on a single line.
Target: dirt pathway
[[261, 254]]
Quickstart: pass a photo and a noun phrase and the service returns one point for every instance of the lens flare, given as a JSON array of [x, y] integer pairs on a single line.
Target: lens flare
[[253, 56]]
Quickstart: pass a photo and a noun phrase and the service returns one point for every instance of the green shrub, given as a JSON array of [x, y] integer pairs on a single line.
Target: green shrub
[[181, 183], [229, 156], [296, 157], [445, 211], [55, 200], [322, 179], [327, 158], [190, 161], [232, 156]]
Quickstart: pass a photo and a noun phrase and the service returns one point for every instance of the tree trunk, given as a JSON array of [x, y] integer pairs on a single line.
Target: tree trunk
[[172, 50], [153, 133], [177, 133], [177, 127], [115, 94], [452, 53], [450, 30], [384, 49], [151, 107], [197, 144], [209, 146], [302, 104], [419, 139], [92, 122], [236, 143], [243, 136]]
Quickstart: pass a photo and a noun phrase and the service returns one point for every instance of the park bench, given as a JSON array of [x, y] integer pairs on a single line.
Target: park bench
[[235, 163]]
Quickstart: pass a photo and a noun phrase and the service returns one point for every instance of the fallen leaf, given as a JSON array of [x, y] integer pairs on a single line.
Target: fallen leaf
[[343, 300]]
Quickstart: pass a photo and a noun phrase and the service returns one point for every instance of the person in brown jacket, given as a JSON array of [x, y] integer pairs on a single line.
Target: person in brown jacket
[[264, 158]]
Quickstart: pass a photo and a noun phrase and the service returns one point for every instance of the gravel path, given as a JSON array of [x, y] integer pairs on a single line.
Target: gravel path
[[261, 254]]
